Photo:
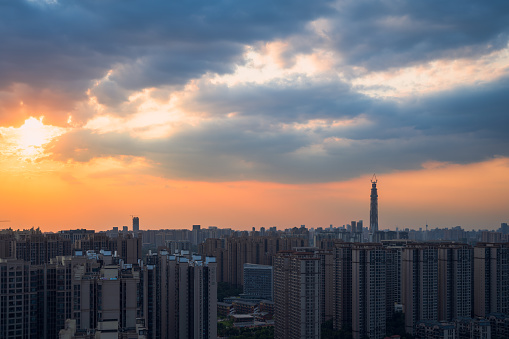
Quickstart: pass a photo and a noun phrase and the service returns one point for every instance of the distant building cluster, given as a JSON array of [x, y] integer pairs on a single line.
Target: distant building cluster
[[154, 284]]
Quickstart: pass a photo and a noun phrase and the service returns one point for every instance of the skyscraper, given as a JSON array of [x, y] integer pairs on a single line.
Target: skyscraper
[[112, 292], [419, 284], [296, 295], [326, 280], [368, 291], [455, 267], [392, 278], [180, 297], [326, 283], [35, 300], [491, 274], [136, 225], [373, 211], [342, 289], [19, 316]]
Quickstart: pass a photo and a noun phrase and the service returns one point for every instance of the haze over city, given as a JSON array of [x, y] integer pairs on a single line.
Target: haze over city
[[241, 114]]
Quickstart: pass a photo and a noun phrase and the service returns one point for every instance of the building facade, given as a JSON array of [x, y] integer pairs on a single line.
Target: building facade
[[368, 291], [180, 297], [419, 287], [297, 297], [258, 281], [455, 269], [491, 276], [342, 286]]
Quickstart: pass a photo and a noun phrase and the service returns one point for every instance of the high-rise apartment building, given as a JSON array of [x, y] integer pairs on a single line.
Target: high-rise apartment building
[[180, 297], [213, 247], [7, 246], [392, 279], [255, 250], [19, 311], [491, 277], [75, 235], [357, 229], [196, 235], [282, 295], [136, 226], [455, 268], [177, 246], [419, 284], [326, 280], [175, 296], [126, 246], [368, 291], [129, 248], [96, 242], [36, 300], [504, 228], [296, 293], [342, 286], [39, 248], [107, 292]]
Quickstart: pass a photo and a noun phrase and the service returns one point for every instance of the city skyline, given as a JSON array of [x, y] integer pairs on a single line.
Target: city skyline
[[237, 114], [109, 220], [296, 283]]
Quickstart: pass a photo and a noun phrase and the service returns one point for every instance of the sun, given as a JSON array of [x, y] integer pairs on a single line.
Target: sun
[[33, 133], [30, 138]]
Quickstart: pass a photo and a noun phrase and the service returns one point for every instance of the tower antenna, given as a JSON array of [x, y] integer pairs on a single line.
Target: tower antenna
[[374, 179]]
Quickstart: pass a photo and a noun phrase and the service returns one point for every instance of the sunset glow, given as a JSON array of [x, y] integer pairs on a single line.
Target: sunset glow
[[237, 114], [32, 135], [27, 141]]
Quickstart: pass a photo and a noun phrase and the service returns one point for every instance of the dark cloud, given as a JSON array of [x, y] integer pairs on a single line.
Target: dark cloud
[[62, 46], [479, 108], [109, 93], [460, 126], [384, 34], [53, 52], [293, 99], [381, 35]]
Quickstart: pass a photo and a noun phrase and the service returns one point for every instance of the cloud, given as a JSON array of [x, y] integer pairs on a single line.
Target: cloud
[[117, 64], [382, 34], [64, 46], [294, 98], [333, 137], [54, 52]]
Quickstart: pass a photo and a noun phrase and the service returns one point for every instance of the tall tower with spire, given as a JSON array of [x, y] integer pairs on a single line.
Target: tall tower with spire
[[373, 210]]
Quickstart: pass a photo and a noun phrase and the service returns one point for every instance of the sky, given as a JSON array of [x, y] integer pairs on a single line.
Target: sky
[[266, 113]]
